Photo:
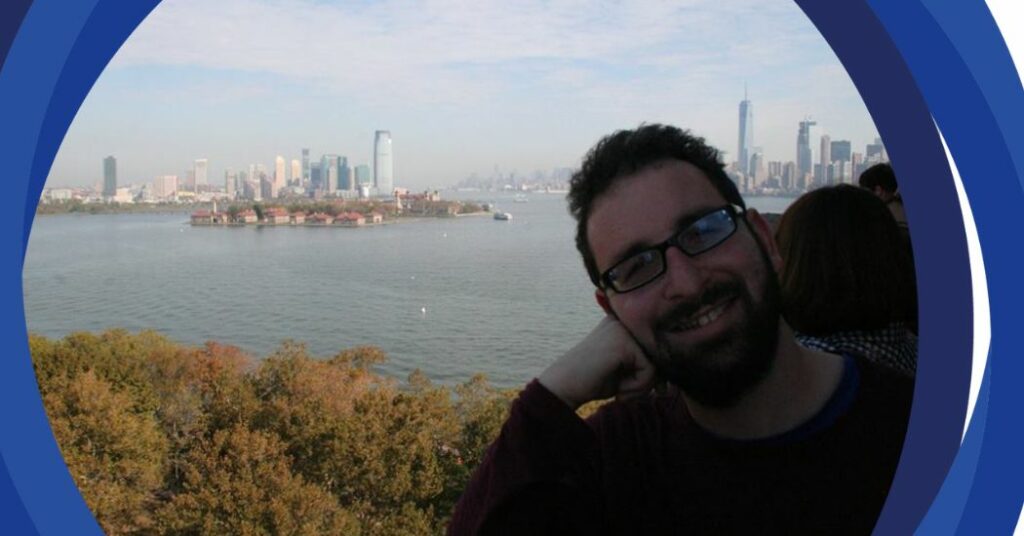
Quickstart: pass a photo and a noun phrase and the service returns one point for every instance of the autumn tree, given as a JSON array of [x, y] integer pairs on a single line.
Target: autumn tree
[[172, 439], [239, 481], [115, 453]]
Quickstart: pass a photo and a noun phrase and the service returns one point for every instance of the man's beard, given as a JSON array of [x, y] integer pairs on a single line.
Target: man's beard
[[719, 372]]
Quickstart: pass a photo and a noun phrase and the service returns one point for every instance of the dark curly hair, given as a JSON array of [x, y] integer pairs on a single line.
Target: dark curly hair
[[627, 152], [879, 175]]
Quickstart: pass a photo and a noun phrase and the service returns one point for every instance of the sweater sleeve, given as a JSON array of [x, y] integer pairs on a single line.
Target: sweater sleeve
[[540, 476]]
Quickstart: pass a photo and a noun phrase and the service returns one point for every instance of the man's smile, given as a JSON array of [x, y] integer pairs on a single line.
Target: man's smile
[[702, 317]]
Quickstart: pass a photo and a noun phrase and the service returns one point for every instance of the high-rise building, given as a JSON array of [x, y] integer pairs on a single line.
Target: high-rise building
[[839, 153], [345, 175], [165, 186], [199, 170], [363, 175], [856, 166], [804, 157], [789, 176], [329, 173], [823, 170], [875, 152], [746, 133], [296, 177], [305, 165], [756, 170], [258, 180], [316, 177], [840, 150], [230, 183], [383, 173], [109, 176], [280, 180]]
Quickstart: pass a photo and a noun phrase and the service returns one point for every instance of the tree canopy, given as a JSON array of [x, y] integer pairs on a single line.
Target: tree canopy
[[163, 438]]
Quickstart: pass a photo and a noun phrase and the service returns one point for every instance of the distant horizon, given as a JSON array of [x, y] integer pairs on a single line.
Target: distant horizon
[[514, 88]]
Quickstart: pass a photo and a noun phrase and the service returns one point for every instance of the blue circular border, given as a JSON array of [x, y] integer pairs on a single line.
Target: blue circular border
[[917, 64]]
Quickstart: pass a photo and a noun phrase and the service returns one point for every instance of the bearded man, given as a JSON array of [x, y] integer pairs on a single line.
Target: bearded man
[[755, 434]]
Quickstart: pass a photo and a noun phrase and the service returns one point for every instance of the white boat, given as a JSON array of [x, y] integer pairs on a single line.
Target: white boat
[[502, 216], [520, 198]]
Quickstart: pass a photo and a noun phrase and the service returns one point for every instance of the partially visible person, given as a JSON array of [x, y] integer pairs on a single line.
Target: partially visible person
[[881, 181], [847, 280]]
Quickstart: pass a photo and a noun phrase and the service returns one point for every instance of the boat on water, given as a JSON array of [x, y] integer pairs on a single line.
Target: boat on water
[[520, 198], [502, 216]]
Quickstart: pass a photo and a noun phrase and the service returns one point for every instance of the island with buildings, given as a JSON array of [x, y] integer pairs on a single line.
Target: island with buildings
[[337, 212]]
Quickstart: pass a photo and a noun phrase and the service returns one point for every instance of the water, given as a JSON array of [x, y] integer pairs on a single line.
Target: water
[[451, 297]]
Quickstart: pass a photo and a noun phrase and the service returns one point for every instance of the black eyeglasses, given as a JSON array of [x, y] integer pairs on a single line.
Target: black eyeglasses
[[704, 233]]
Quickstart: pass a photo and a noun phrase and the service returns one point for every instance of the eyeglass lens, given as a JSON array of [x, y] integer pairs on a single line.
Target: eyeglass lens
[[700, 236]]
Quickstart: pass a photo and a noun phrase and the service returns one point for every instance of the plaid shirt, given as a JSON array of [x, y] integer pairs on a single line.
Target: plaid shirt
[[894, 346]]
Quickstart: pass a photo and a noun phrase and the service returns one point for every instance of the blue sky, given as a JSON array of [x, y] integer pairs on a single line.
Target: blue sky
[[463, 86]]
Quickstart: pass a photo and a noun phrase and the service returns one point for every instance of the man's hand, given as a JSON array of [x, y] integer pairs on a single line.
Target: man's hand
[[606, 363]]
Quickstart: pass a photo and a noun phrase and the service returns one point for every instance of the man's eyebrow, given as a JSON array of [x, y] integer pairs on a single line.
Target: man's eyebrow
[[682, 222]]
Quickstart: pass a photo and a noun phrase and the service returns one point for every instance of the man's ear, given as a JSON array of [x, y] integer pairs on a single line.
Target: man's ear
[[764, 233], [602, 300]]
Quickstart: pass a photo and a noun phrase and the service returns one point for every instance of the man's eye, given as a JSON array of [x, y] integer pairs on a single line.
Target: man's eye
[[696, 234], [638, 263]]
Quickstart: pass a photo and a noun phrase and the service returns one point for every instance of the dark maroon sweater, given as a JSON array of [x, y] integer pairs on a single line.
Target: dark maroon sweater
[[644, 467]]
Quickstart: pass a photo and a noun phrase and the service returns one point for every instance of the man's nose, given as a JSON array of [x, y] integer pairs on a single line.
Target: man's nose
[[684, 277]]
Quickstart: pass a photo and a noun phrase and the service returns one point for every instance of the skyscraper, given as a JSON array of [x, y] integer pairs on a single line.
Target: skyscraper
[[305, 166], [329, 173], [279, 181], [746, 133], [362, 175], [230, 183], [165, 186], [841, 150], [344, 175], [839, 154], [875, 152], [757, 168], [804, 162], [296, 172], [823, 175], [383, 178], [109, 176], [199, 174], [316, 182]]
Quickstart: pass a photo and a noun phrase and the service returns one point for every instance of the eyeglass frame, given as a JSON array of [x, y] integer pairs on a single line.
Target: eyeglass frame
[[734, 212]]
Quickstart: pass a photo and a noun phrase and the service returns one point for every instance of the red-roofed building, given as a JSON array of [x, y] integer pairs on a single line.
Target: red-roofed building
[[246, 216], [298, 218], [376, 217], [202, 217], [351, 219], [320, 218], [275, 216]]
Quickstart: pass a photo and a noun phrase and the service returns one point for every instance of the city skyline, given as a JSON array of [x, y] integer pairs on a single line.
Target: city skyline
[[515, 88]]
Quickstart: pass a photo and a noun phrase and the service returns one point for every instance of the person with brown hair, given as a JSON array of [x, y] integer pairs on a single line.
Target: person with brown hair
[[847, 278], [758, 435]]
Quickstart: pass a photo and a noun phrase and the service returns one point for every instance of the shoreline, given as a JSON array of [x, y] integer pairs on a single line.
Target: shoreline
[[398, 221]]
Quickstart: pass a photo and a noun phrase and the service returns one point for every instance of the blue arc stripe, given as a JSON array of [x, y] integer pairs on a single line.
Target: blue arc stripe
[[946, 67], [875, 63]]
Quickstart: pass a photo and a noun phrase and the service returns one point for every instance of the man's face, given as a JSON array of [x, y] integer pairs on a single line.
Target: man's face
[[709, 323]]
